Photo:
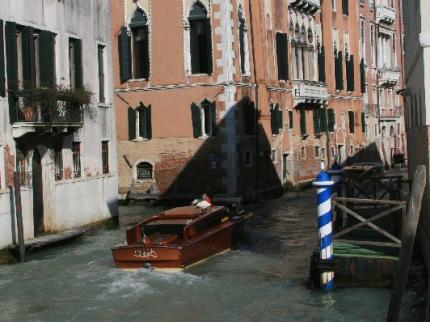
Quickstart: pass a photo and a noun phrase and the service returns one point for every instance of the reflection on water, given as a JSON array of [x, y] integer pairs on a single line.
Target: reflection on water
[[264, 280]]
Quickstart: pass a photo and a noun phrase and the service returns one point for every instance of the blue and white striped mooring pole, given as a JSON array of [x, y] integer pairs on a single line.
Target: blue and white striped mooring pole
[[325, 225]]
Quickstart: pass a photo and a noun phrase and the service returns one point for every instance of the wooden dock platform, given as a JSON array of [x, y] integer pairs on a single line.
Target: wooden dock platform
[[51, 240]]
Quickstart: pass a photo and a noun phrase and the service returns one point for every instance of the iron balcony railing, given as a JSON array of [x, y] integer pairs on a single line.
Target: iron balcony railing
[[32, 108]]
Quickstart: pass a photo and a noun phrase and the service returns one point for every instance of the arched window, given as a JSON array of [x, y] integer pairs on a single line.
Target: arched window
[[200, 40], [140, 44], [243, 42], [204, 119], [144, 171]]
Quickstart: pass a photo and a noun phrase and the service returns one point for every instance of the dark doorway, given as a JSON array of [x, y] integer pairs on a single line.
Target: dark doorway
[[37, 194]]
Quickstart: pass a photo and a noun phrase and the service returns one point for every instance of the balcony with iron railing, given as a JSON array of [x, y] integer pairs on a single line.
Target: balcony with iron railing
[[309, 91], [45, 109], [385, 14], [389, 76], [311, 6]]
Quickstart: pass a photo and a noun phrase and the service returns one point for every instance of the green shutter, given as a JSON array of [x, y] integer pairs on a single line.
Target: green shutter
[[290, 119], [46, 58], [131, 123], [331, 120], [148, 121], [79, 82], [280, 120], [242, 46], [303, 129], [28, 58], [321, 65], [209, 45], [362, 76], [213, 119], [194, 48], [146, 62], [141, 114], [197, 120], [317, 128], [363, 122], [125, 55], [12, 68], [2, 65], [350, 74], [323, 120], [351, 121], [340, 62], [282, 55]]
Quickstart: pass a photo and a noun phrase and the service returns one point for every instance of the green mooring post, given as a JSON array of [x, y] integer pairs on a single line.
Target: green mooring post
[[19, 222]]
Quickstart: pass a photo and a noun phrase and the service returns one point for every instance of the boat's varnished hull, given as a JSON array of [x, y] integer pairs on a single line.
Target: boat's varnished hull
[[177, 257]]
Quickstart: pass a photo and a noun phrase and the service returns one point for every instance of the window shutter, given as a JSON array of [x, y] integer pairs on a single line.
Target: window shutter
[[28, 58], [125, 55], [362, 76], [242, 47], [280, 120], [303, 130], [2, 65], [213, 119], [340, 70], [282, 53], [148, 122], [273, 119], [345, 7], [323, 120], [331, 120], [146, 62], [209, 45], [363, 122], [197, 120], [351, 121], [12, 68], [131, 123], [321, 65], [141, 114], [317, 119], [336, 69], [350, 74], [290, 119], [78, 64], [46, 58], [194, 48]]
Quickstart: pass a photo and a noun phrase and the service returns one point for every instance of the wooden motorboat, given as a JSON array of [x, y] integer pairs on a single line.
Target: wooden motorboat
[[180, 237]]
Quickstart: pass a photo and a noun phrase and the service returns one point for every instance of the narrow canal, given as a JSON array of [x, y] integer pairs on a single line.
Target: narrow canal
[[265, 280]]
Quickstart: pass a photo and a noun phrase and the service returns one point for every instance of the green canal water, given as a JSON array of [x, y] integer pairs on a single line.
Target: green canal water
[[263, 280]]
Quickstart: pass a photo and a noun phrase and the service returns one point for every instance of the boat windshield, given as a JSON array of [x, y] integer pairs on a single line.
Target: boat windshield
[[164, 230]]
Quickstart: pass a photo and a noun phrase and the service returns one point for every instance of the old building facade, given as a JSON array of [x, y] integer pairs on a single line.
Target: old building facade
[[417, 100], [235, 97], [57, 121], [382, 64]]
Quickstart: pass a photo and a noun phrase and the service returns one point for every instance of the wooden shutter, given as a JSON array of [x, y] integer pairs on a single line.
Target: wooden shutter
[[145, 58], [194, 48], [46, 58], [331, 120], [321, 65], [290, 119], [280, 120], [363, 123], [131, 123], [12, 68], [197, 120], [2, 65], [323, 120], [345, 7], [282, 55], [148, 122], [350, 74], [336, 70], [124, 44], [340, 69], [317, 119], [242, 47], [362, 76], [273, 119], [213, 118], [209, 45], [78, 63], [351, 121], [303, 129], [28, 58]]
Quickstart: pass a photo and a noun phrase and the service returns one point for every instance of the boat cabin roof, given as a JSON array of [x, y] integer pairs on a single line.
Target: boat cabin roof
[[169, 221], [189, 212]]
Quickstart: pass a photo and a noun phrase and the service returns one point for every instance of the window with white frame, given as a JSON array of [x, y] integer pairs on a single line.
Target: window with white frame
[[204, 119]]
